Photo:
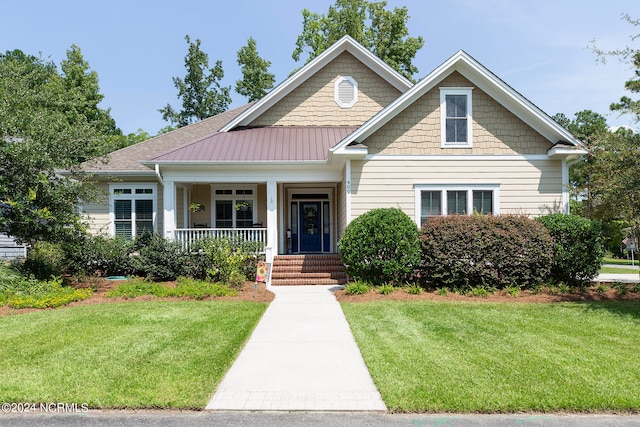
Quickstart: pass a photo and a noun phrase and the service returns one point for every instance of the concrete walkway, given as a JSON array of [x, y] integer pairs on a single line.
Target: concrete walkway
[[301, 356]]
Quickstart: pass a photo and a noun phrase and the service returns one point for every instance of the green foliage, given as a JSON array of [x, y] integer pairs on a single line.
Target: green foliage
[[513, 290], [256, 78], [201, 93], [413, 288], [227, 258], [48, 121], [380, 246], [481, 291], [185, 288], [577, 248], [358, 287], [44, 261], [495, 252], [620, 287], [602, 289], [24, 292], [382, 31], [386, 288], [443, 291], [159, 259], [99, 256], [588, 127]]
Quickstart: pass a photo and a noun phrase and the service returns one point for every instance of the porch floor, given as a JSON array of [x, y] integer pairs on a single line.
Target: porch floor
[[308, 269]]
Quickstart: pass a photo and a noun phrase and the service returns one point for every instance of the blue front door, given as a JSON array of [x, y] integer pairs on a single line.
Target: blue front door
[[310, 231]]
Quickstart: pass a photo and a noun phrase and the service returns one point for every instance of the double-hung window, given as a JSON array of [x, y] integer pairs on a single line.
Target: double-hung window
[[132, 209], [443, 199], [455, 117], [234, 208]]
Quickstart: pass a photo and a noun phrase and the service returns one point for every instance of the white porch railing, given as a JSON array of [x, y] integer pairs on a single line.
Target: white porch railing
[[189, 235]]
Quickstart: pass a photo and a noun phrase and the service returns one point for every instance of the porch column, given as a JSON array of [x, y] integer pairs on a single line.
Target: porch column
[[169, 208], [272, 220]]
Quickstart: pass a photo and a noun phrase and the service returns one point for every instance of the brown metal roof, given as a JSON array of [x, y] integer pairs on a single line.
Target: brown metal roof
[[265, 144], [128, 159]]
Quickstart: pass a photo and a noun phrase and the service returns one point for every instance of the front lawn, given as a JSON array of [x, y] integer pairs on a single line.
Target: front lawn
[[130, 355], [429, 356]]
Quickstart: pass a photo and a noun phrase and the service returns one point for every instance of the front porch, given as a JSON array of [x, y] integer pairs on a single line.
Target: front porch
[[284, 218]]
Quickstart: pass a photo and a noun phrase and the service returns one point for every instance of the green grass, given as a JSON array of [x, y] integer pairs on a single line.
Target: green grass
[[618, 261], [128, 355], [427, 356], [614, 270]]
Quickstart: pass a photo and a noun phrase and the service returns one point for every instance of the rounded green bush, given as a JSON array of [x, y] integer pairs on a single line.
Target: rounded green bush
[[578, 248], [380, 246]]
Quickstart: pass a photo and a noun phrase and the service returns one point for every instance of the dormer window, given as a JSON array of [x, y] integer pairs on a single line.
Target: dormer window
[[346, 92]]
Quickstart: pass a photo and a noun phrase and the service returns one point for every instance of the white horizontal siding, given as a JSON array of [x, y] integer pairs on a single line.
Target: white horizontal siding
[[9, 249], [529, 187]]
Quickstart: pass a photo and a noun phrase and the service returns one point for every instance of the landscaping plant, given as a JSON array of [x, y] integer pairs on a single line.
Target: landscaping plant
[[380, 246], [577, 250], [461, 251]]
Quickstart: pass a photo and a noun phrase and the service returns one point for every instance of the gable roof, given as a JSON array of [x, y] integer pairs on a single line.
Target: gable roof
[[128, 159], [275, 144], [345, 44], [485, 80]]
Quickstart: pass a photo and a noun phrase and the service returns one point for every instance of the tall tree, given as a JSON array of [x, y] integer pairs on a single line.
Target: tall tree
[[588, 126], [42, 129], [615, 156], [201, 93], [82, 86], [382, 31], [256, 81]]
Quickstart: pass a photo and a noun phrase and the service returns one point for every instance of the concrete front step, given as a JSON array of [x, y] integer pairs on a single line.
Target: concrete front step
[[308, 270]]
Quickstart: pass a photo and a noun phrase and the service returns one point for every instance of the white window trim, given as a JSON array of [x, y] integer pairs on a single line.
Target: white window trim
[[234, 197], [444, 188], [444, 91], [336, 91], [133, 186]]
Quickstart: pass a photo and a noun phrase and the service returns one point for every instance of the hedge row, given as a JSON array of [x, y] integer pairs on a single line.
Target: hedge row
[[152, 257], [385, 246], [491, 251]]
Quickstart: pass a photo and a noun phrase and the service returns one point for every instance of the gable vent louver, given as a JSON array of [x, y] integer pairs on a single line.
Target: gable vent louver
[[346, 92]]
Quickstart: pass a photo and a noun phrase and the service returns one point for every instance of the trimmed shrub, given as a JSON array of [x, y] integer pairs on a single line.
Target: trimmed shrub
[[484, 251], [578, 249], [380, 246], [100, 256], [160, 259], [44, 261]]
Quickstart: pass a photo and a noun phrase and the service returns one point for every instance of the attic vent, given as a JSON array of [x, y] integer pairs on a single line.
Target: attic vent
[[346, 92]]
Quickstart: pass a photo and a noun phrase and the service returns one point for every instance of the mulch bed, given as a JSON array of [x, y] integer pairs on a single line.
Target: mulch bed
[[525, 296], [252, 293]]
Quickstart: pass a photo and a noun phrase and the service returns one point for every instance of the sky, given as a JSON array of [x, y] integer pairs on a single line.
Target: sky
[[541, 48]]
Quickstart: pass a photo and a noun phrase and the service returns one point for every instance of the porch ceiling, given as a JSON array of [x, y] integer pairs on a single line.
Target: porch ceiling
[[265, 144]]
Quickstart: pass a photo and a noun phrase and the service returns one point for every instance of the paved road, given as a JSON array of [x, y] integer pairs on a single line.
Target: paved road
[[296, 419]]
